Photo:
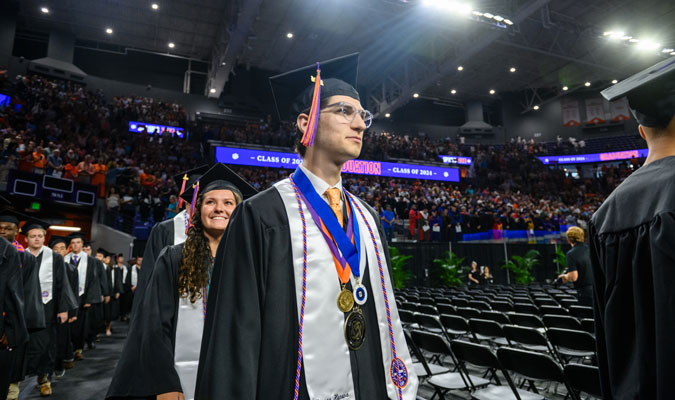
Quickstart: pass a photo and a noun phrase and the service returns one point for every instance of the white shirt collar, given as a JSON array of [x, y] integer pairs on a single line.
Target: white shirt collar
[[319, 184]]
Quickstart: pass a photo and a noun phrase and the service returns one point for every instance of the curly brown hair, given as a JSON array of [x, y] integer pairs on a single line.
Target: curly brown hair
[[196, 256]]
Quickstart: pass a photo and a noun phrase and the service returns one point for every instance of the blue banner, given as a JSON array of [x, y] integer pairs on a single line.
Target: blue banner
[[595, 157]]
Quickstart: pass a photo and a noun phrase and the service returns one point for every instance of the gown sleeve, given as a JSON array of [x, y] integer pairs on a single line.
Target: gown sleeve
[[146, 367], [231, 343], [33, 308], [13, 320], [67, 301]]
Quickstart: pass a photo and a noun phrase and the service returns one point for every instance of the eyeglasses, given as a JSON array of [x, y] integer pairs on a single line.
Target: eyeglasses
[[349, 113]]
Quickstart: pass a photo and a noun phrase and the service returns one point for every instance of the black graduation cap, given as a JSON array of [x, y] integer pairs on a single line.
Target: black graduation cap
[[54, 240], [76, 235], [33, 223], [650, 93], [293, 91], [9, 216], [192, 174], [220, 177]]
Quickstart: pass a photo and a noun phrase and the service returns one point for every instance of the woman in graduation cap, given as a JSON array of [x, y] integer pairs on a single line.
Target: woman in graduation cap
[[162, 351]]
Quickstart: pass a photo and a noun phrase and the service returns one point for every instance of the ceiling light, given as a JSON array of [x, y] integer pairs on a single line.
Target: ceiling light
[[453, 91], [508, 22], [607, 33], [648, 45], [45, 10], [626, 37], [223, 63], [667, 50], [109, 31], [492, 91], [616, 35], [614, 81], [387, 115], [672, 54], [634, 40], [498, 18], [488, 15], [213, 90], [65, 228], [477, 13], [535, 108], [155, 6], [565, 88], [289, 35], [512, 69], [587, 84], [171, 45], [460, 68], [416, 95]]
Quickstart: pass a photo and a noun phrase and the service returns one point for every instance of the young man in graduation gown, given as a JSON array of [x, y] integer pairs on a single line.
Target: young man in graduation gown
[[280, 277], [632, 247], [57, 298], [162, 349], [64, 347], [114, 279], [13, 330], [166, 233], [88, 290], [33, 309], [97, 311]]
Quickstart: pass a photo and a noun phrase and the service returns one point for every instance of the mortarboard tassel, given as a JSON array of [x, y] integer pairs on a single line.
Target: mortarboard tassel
[[182, 189], [308, 137], [192, 206]]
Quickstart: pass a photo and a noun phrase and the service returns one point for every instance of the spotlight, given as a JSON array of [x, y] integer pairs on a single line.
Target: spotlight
[[498, 18], [607, 33], [508, 22], [155, 6], [634, 40], [488, 15], [109, 31], [667, 50], [648, 45], [587, 84], [45, 10], [289, 35], [565, 88], [453, 91], [535, 108], [213, 90], [614, 81], [477, 13], [513, 69], [171, 45], [460, 68], [616, 35], [492, 91], [416, 95], [387, 115]]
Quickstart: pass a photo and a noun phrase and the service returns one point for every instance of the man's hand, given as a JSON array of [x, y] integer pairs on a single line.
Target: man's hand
[[133, 289], [171, 396], [117, 295], [62, 317], [107, 299], [72, 319], [563, 278], [87, 305], [3, 341]]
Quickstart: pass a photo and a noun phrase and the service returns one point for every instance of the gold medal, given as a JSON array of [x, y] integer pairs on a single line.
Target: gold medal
[[355, 329], [345, 300]]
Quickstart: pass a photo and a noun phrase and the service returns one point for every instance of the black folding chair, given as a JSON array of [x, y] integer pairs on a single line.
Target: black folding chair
[[460, 302], [442, 383], [496, 316], [562, 321], [529, 339], [406, 305], [407, 318], [446, 309], [583, 378], [553, 310], [422, 368], [455, 326], [468, 312], [589, 325], [571, 344], [427, 309], [533, 366], [480, 305], [427, 300], [581, 312], [526, 308], [502, 306], [486, 330], [529, 320], [429, 323]]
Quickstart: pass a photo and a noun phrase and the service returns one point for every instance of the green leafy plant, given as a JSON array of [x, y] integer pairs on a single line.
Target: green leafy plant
[[448, 270], [400, 274], [521, 267], [560, 259]]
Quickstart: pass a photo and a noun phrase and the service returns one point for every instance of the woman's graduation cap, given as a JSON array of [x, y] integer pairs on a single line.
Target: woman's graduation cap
[[187, 179], [218, 177], [303, 89], [650, 93]]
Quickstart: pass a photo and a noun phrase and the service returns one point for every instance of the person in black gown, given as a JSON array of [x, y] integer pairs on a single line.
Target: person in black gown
[[64, 348], [632, 249], [162, 349], [251, 347], [578, 262]]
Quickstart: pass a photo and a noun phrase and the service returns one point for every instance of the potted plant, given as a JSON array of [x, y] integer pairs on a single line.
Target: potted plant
[[400, 274], [521, 267], [448, 270], [560, 259]]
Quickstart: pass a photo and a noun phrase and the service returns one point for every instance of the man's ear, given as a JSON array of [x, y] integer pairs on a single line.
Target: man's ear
[[642, 132], [302, 122]]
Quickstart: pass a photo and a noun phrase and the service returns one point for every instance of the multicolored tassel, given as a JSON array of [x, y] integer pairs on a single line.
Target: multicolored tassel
[[192, 206], [310, 133], [182, 189]]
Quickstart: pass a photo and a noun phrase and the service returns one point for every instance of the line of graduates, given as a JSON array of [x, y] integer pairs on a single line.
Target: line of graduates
[[54, 300]]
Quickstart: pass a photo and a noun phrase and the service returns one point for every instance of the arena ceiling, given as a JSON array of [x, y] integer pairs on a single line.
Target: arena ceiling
[[406, 46]]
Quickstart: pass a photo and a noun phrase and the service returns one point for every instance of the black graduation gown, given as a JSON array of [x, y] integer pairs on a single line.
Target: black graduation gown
[[146, 367], [91, 295], [42, 345], [12, 321], [160, 237], [97, 310], [632, 237], [250, 342], [65, 346], [111, 310]]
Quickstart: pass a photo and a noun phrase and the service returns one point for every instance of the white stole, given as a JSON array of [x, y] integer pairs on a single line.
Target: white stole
[[325, 354], [81, 271], [179, 224], [47, 274]]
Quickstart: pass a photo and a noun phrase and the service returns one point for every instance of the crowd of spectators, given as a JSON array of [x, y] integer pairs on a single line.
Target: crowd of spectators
[[63, 129]]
